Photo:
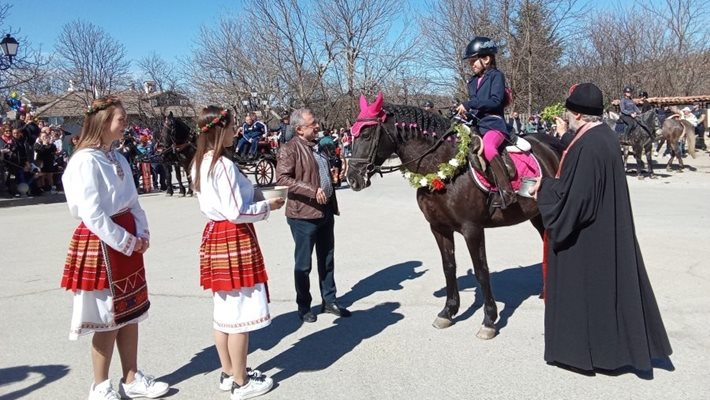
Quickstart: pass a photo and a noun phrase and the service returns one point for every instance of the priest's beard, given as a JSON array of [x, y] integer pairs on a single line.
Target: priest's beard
[[573, 124]]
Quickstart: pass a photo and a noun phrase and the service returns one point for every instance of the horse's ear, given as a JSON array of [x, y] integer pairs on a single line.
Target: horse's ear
[[377, 105], [171, 114], [363, 102]]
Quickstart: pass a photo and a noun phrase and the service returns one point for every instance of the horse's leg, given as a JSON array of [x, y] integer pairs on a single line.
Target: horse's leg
[[476, 243], [649, 152], [638, 154], [626, 156], [189, 180], [178, 176], [445, 241], [168, 179]]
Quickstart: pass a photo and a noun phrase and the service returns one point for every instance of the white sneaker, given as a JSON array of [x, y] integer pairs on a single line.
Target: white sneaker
[[143, 386], [256, 386], [103, 391], [226, 381]]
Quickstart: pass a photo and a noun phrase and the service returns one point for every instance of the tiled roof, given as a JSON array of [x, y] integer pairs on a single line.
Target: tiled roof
[[670, 101], [73, 104]]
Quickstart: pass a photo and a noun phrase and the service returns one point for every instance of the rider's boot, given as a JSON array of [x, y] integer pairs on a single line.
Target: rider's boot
[[506, 196]]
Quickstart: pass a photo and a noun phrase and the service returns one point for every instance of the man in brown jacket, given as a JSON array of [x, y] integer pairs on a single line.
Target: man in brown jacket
[[310, 211]]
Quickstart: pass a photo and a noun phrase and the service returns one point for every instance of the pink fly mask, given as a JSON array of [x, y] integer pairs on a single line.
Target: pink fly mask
[[370, 114]]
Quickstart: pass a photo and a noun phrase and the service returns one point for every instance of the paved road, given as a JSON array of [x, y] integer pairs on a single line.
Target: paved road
[[389, 273]]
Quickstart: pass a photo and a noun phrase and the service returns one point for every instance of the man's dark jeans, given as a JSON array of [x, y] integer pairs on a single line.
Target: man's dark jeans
[[318, 233]]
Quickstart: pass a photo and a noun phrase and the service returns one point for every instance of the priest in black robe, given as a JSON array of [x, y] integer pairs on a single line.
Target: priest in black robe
[[600, 309]]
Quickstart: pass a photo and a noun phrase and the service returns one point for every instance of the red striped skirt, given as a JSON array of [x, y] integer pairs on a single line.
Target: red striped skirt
[[230, 257], [92, 265]]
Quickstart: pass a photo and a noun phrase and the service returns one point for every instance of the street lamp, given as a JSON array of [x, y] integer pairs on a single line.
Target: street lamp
[[9, 48]]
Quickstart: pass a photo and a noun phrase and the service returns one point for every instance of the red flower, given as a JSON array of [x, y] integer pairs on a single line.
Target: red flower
[[438, 184]]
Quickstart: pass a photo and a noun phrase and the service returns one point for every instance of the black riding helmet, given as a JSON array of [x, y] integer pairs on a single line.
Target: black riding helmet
[[428, 104], [480, 46], [628, 89], [643, 94]]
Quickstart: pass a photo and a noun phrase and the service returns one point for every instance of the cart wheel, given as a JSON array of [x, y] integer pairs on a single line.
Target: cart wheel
[[264, 172]]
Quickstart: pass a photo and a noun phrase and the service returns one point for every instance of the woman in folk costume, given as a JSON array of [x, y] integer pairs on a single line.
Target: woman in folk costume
[[231, 264], [487, 100], [104, 265]]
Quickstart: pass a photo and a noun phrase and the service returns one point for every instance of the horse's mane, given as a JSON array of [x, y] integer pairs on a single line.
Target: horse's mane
[[426, 121]]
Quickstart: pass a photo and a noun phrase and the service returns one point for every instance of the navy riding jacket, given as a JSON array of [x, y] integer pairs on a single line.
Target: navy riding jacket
[[628, 107], [486, 101], [255, 130]]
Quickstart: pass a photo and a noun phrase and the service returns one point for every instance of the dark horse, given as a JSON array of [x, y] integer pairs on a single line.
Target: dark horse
[[178, 149], [640, 139], [460, 207]]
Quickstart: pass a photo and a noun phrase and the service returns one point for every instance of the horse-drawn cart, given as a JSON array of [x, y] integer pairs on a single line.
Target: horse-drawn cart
[[263, 165]]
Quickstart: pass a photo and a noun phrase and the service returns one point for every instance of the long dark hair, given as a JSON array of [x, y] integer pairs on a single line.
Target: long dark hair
[[212, 140]]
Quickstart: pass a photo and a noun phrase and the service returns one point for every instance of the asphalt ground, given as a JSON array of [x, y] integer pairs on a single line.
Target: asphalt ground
[[388, 272]]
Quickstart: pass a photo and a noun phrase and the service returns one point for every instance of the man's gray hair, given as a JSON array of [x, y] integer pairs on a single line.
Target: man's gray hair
[[592, 118], [297, 116]]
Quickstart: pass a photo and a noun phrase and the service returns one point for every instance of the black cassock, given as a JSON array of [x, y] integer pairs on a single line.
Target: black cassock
[[600, 308]]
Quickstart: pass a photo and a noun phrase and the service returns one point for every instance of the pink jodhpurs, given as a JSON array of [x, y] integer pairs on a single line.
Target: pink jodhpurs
[[491, 141]]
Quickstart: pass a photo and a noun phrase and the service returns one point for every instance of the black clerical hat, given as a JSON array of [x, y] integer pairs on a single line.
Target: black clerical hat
[[585, 98]]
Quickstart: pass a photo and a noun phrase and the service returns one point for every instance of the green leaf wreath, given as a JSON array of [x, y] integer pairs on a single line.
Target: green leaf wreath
[[437, 180]]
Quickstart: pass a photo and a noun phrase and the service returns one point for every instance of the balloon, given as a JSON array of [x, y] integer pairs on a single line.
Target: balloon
[[13, 95]]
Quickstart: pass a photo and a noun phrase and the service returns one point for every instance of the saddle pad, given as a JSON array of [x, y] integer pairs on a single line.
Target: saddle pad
[[526, 166]]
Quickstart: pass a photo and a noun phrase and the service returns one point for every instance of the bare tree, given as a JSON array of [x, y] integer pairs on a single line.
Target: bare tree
[[447, 28], [155, 68], [90, 57], [28, 66]]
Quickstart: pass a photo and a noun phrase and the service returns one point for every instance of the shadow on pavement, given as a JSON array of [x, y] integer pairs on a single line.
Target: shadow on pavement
[[50, 373], [322, 349], [511, 287], [203, 362], [390, 278]]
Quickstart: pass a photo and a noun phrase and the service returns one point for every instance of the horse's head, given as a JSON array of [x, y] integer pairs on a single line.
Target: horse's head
[[372, 143], [167, 132]]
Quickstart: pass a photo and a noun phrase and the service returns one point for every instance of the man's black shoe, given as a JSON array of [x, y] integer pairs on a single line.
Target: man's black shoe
[[333, 308], [307, 316]]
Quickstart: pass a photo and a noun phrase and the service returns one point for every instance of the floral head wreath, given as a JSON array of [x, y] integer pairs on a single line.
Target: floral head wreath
[[109, 102], [223, 115]]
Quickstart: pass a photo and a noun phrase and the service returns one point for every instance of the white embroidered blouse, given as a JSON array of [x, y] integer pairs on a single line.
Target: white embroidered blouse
[[226, 194], [98, 185]]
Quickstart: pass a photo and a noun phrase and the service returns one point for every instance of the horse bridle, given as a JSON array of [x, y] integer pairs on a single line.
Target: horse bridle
[[370, 166]]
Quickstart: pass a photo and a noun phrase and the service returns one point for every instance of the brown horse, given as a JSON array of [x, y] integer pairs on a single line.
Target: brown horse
[[672, 132], [460, 207]]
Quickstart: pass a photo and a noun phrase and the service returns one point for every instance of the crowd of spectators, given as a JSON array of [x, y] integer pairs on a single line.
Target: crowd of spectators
[[33, 156]]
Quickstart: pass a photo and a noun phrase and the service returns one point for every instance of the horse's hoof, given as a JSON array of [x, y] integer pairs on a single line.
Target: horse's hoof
[[653, 177], [640, 177], [169, 194], [669, 169], [680, 169], [486, 333], [442, 323]]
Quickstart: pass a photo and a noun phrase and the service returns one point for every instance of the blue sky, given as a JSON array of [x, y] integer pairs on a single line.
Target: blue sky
[[169, 28]]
